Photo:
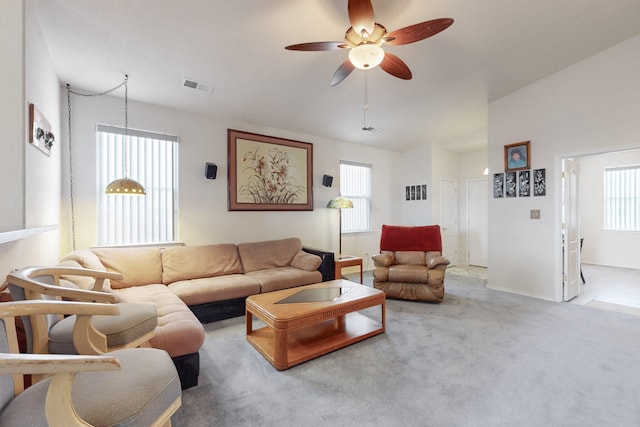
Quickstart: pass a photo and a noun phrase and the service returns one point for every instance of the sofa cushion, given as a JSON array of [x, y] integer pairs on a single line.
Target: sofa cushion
[[418, 238], [268, 254], [194, 262], [134, 321], [408, 273], [306, 261], [179, 332], [274, 279], [211, 289], [139, 266], [410, 257], [86, 259]]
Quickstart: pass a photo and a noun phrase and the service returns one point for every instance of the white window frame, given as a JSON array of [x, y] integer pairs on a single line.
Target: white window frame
[[355, 185], [622, 198], [153, 161]]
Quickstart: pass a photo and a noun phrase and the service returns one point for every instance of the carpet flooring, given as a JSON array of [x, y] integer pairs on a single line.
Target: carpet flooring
[[481, 358]]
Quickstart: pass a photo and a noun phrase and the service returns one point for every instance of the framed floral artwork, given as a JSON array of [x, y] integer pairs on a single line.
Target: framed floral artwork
[[517, 156], [269, 174]]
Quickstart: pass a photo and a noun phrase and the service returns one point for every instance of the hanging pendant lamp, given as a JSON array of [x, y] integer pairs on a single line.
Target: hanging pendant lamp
[[126, 185]]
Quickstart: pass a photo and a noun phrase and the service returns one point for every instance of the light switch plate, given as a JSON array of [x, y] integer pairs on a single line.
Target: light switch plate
[[535, 213]]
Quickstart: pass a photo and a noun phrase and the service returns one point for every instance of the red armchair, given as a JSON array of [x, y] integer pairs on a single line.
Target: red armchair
[[410, 265]]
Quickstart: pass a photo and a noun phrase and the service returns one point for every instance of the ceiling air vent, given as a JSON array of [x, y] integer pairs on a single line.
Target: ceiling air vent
[[194, 84]]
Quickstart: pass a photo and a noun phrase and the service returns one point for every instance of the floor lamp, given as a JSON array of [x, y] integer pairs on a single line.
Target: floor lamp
[[340, 203]]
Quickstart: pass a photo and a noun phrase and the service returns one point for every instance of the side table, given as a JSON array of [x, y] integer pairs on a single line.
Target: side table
[[343, 261]]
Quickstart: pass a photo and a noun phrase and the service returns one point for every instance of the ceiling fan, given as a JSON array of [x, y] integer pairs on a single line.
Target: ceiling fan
[[365, 39]]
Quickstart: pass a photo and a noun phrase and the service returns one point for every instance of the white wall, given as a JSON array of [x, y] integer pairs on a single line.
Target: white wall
[[203, 215], [416, 169], [592, 106], [30, 196], [604, 247], [12, 112]]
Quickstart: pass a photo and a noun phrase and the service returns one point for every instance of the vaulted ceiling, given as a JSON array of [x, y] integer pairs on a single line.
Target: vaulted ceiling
[[493, 48]]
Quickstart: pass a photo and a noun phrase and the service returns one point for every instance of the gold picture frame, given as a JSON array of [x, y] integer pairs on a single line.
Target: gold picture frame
[[517, 156], [267, 173]]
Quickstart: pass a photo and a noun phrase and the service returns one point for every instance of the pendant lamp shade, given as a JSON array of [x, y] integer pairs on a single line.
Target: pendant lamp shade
[[125, 186]]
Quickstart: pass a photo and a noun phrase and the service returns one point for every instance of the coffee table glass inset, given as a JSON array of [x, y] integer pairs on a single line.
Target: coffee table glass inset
[[297, 330]]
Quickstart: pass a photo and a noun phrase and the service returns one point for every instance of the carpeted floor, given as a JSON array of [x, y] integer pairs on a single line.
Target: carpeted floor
[[481, 358]]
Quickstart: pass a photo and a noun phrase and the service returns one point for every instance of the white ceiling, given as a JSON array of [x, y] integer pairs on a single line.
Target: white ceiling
[[493, 48]]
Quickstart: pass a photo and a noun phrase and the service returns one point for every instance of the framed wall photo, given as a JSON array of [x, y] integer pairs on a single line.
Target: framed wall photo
[[498, 185], [268, 173], [524, 183], [510, 184], [539, 182], [40, 135], [517, 156]]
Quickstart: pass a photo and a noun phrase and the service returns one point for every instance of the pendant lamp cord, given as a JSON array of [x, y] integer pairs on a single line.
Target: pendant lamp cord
[[126, 126], [365, 105]]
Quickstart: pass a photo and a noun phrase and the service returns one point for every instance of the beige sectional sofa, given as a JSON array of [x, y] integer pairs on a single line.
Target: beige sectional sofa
[[194, 284]]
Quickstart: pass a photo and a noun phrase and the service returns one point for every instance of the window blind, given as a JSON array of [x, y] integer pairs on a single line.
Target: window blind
[[152, 160]]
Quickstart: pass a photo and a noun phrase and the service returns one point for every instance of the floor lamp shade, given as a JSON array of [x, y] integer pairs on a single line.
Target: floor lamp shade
[[340, 203]]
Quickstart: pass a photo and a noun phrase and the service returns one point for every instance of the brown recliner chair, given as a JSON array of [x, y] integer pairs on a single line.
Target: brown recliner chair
[[410, 265]]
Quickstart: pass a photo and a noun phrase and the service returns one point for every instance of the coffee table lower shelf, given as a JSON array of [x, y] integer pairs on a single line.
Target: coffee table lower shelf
[[306, 343]]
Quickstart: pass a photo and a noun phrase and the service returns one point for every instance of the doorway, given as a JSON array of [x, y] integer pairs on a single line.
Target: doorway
[[604, 249]]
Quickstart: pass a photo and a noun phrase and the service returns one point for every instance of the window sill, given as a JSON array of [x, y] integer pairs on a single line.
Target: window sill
[[11, 234]]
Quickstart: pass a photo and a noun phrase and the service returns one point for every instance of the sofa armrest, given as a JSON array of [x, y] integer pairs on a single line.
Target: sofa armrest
[[383, 260], [433, 262], [327, 268]]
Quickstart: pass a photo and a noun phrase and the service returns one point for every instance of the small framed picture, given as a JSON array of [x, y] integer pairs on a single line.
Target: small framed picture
[[510, 184], [539, 182], [517, 156], [424, 191], [524, 183], [498, 185]]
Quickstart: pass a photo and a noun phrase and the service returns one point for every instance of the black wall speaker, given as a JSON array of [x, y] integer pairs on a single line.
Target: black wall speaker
[[327, 180], [210, 170]]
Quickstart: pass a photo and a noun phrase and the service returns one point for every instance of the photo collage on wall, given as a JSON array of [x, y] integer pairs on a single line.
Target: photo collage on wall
[[520, 184], [415, 192], [518, 180]]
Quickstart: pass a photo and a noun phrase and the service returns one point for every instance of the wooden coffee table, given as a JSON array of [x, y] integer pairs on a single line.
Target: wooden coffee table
[[299, 331]]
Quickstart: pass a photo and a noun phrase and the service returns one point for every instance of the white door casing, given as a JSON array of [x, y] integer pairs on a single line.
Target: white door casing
[[570, 230], [449, 219]]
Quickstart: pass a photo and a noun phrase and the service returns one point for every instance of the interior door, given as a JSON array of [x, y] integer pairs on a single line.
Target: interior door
[[570, 230], [477, 219], [449, 219]]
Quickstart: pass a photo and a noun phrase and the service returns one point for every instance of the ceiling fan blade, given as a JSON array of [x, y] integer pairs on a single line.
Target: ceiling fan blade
[[416, 32], [316, 46], [361, 16], [395, 66], [342, 72]]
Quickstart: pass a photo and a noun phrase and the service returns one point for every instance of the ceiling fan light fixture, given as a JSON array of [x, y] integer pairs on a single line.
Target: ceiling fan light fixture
[[366, 56]]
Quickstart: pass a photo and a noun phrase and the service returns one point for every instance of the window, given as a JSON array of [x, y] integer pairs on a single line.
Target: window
[[153, 161], [622, 198], [355, 184]]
